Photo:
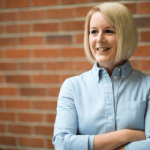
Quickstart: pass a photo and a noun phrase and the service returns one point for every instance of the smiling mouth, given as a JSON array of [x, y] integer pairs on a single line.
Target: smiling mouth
[[102, 49]]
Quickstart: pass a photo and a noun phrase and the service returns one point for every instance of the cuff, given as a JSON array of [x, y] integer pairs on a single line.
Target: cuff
[[90, 142]]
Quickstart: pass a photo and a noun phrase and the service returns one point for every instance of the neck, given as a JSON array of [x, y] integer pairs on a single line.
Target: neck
[[110, 67]]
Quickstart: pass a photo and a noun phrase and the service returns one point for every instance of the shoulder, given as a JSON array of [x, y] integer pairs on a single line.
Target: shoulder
[[144, 78], [78, 79]]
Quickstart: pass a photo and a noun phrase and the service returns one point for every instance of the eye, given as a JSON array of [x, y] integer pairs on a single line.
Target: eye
[[109, 31], [93, 31]]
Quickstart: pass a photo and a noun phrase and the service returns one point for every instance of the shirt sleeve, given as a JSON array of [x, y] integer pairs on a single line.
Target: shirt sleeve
[[144, 144], [65, 128]]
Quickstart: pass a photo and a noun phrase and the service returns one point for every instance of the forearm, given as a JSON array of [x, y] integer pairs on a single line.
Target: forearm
[[116, 139], [112, 140]]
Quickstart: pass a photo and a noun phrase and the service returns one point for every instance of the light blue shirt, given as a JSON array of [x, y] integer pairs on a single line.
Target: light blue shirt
[[93, 103]]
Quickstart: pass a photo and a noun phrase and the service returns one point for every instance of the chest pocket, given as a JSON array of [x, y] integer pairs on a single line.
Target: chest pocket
[[135, 115]]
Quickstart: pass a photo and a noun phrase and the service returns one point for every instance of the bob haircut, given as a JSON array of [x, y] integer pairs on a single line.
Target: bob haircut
[[121, 18]]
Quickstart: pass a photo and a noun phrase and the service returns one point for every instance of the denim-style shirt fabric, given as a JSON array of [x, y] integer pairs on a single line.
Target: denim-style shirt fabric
[[93, 103]]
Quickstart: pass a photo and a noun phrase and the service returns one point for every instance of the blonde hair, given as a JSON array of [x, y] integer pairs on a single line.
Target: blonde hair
[[121, 18]]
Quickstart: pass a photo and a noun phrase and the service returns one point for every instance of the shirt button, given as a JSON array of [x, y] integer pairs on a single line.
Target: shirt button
[[110, 118], [119, 69], [123, 76], [115, 77]]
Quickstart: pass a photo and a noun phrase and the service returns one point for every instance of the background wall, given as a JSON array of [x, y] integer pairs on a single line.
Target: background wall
[[41, 44]]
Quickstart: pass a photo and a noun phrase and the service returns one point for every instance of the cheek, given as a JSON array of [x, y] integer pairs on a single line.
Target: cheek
[[91, 42], [115, 41]]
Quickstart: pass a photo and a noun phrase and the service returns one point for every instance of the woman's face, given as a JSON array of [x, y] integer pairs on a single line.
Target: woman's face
[[102, 40]]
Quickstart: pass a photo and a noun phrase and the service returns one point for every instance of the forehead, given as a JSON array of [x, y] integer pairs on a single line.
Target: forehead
[[97, 19]]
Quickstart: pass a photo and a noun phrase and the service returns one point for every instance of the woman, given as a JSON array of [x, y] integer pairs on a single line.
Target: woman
[[108, 107]]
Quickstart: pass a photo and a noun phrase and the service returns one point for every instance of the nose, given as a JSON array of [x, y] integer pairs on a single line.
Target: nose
[[101, 38]]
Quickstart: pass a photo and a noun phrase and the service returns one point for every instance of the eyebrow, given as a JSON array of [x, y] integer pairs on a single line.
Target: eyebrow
[[105, 27]]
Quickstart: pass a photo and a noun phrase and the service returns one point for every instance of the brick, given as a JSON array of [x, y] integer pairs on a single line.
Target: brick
[[45, 27], [2, 128], [59, 39], [32, 142], [4, 116], [142, 51], [8, 66], [82, 11], [10, 16], [30, 15], [145, 36], [50, 118], [31, 66], [79, 38], [103, 0], [19, 129], [7, 41], [1, 54], [1, 29], [1, 104], [50, 144], [17, 53], [45, 53], [132, 8], [44, 105], [53, 91], [16, 3], [74, 1], [0, 3], [72, 26], [64, 77], [17, 104], [142, 22], [18, 79], [59, 13], [46, 79], [31, 40], [43, 130], [8, 91], [59, 65], [12, 149], [1, 78], [32, 91], [73, 52], [134, 64], [6, 140], [84, 65], [144, 8], [30, 117], [44, 2], [18, 28], [144, 65]]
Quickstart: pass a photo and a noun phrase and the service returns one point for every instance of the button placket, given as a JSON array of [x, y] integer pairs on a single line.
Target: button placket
[[110, 118], [115, 77]]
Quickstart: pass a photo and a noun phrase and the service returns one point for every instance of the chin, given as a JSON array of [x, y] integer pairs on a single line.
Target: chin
[[105, 62]]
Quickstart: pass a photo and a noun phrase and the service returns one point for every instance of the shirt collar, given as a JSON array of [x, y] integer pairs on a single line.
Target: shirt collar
[[125, 70]]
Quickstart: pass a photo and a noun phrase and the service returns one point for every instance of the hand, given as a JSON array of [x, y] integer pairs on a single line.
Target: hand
[[120, 148]]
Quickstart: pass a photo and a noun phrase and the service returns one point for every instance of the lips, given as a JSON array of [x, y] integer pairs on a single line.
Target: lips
[[102, 48]]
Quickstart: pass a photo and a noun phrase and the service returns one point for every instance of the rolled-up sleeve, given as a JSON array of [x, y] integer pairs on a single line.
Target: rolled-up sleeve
[[65, 128], [144, 144]]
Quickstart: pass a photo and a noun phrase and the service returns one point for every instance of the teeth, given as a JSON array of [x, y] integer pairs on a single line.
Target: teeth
[[101, 49]]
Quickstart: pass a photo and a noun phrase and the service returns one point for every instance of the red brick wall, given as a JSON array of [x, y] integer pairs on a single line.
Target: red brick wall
[[41, 44]]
